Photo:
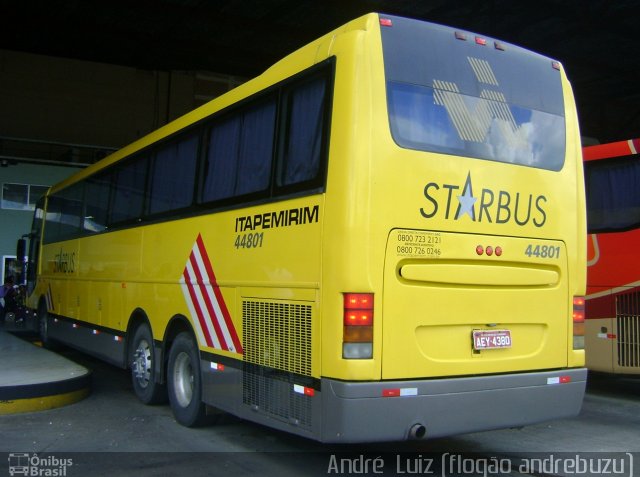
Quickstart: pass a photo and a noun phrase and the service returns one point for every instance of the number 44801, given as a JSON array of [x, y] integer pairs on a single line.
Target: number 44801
[[542, 251], [253, 240]]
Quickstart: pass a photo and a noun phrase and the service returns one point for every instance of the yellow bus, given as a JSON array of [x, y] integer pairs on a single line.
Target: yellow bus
[[381, 237]]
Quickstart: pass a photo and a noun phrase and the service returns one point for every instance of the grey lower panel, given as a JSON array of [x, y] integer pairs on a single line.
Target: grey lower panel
[[97, 342], [262, 395], [360, 412]]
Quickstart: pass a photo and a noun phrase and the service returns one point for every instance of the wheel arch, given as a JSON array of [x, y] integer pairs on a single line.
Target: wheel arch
[[176, 325], [137, 318], [42, 305]]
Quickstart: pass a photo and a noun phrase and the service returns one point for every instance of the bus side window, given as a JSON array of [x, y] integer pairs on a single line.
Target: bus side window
[[97, 202], [173, 175], [220, 178], [128, 197], [303, 141], [613, 194], [64, 214], [256, 149], [240, 153]]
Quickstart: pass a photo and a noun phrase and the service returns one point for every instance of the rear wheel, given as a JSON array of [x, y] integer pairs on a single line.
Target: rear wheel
[[185, 382], [142, 359]]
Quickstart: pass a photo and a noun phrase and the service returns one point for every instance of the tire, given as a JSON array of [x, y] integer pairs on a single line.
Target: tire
[[142, 358], [185, 382], [43, 328]]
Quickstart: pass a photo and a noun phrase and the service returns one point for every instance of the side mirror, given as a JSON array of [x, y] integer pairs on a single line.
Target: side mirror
[[21, 250]]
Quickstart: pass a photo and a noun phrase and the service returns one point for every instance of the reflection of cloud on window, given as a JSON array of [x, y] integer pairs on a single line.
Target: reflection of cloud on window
[[414, 121], [444, 120], [531, 143], [511, 145]]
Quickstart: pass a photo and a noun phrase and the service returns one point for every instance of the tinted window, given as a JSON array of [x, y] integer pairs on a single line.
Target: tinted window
[[173, 175], [240, 153], [301, 157], [613, 194], [256, 149], [456, 97], [34, 244], [128, 194], [97, 201], [64, 214], [239, 147]]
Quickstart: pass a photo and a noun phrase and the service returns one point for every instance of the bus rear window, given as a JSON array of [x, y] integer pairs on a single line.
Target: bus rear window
[[467, 99]]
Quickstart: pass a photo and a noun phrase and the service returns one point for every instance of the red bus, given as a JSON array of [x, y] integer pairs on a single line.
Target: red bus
[[612, 325]]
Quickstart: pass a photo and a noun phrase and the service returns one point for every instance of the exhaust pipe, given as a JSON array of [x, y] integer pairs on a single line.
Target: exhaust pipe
[[417, 431]]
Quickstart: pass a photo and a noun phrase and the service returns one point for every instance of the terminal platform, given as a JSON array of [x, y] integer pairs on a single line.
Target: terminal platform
[[35, 379]]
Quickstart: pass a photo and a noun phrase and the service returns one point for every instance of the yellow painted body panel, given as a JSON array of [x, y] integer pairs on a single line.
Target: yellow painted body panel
[[422, 320], [112, 275], [381, 188]]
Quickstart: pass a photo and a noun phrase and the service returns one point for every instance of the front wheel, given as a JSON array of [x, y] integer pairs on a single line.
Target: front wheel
[[185, 382], [43, 327]]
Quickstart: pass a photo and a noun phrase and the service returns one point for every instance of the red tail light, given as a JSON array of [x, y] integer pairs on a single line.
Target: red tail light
[[578, 309], [357, 338], [358, 301], [358, 318], [578, 322]]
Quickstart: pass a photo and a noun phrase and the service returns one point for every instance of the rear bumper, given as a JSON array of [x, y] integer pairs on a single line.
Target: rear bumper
[[362, 412]]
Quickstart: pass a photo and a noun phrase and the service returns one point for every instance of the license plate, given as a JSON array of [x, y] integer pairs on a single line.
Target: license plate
[[491, 339]]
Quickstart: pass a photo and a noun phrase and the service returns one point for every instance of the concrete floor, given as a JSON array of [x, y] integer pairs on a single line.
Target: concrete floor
[[33, 378]]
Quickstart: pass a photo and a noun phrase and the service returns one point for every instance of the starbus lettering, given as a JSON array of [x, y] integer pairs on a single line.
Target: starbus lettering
[[281, 218], [64, 262], [453, 202]]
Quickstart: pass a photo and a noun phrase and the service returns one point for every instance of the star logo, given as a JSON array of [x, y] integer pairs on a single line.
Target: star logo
[[466, 201]]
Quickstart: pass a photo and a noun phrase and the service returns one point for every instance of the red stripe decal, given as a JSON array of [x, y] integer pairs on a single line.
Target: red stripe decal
[[207, 302], [219, 298], [196, 306]]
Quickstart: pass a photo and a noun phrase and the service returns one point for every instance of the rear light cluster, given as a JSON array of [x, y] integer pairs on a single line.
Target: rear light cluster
[[578, 322], [357, 338], [489, 250]]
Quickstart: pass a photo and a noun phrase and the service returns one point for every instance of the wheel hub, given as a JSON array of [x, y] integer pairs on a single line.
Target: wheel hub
[[142, 364], [183, 379]]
